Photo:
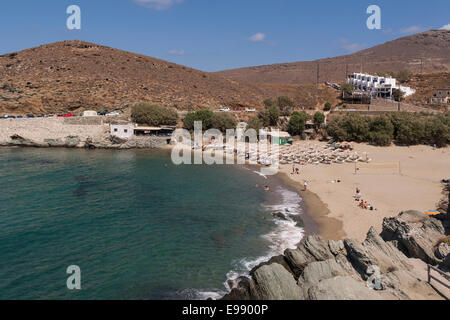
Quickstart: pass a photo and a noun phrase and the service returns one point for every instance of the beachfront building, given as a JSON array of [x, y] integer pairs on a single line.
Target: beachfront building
[[376, 86], [165, 131], [441, 96], [280, 137], [122, 130]]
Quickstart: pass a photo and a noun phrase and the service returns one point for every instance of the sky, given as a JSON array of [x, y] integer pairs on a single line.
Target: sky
[[213, 35]]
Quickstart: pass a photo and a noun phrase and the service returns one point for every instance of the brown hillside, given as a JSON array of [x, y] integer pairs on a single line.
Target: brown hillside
[[432, 48], [75, 75]]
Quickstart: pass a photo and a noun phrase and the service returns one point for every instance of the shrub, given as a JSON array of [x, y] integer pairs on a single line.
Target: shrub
[[284, 102], [153, 115], [327, 106], [381, 131]]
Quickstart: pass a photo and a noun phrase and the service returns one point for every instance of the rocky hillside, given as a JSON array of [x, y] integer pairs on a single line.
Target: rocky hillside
[[431, 47], [76, 76], [342, 270]]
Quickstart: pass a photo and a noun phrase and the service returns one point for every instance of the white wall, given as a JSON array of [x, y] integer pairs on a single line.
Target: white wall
[[123, 131]]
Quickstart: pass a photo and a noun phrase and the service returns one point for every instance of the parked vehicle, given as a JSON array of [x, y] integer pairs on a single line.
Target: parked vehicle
[[224, 109], [30, 116], [250, 109], [103, 113], [19, 117], [112, 114]]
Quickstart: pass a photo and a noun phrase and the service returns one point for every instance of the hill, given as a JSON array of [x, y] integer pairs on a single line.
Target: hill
[[425, 52], [75, 76]]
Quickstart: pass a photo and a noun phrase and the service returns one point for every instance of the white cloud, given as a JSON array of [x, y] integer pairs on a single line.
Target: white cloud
[[158, 4], [446, 27], [412, 29], [177, 52], [258, 37], [351, 47]]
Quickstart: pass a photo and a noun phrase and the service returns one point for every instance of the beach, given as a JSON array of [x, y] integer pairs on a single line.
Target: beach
[[414, 185]]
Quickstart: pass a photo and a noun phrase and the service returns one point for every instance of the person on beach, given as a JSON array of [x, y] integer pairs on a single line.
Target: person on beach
[[297, 170], [293, 169], [305, 185]]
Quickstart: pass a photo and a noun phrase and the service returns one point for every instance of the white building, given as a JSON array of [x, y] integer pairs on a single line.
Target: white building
[[377, 86], [123, 131]]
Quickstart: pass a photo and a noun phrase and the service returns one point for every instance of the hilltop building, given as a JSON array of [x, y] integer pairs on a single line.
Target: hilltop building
[[376, 86]]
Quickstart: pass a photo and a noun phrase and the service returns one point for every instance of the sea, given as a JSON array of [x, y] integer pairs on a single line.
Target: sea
[[137, 226]]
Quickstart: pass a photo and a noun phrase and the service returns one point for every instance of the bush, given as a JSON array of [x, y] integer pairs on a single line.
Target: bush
[[327, 106], [153, 115], [284, 102], [404, 128], [351, 127]]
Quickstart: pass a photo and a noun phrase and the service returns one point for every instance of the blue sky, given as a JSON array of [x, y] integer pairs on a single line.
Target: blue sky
[[213, 35]]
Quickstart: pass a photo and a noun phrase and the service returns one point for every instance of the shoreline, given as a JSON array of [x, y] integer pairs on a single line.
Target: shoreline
[[316, 212]]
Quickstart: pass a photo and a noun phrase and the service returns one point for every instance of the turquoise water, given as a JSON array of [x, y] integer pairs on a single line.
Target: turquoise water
[[136, 228]]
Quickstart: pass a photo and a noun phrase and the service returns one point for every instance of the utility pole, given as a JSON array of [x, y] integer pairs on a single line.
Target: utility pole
[[318, 72]]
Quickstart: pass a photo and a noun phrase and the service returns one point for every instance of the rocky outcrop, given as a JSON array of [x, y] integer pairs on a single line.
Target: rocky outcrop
[[415, 234], [390, 265], [88, 143]]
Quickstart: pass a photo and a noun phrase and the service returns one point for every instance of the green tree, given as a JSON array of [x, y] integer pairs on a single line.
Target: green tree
[[223, 121], [297, 122], [347, 88], [327, 106], [205, 116], [397, 94], [269, 102], [153, 115], [274, 115], [319, 119]]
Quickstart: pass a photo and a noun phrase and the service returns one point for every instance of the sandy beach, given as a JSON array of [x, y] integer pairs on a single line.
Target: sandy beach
[[331, 204]]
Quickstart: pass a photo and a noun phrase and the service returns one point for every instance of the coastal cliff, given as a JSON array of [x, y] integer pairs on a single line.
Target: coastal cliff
[[394, 263]]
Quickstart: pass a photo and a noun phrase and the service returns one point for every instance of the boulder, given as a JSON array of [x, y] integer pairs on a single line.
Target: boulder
[[342, 288], [314, 248], [336, 247], [274, 282], [415, 234], [374, 251]]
